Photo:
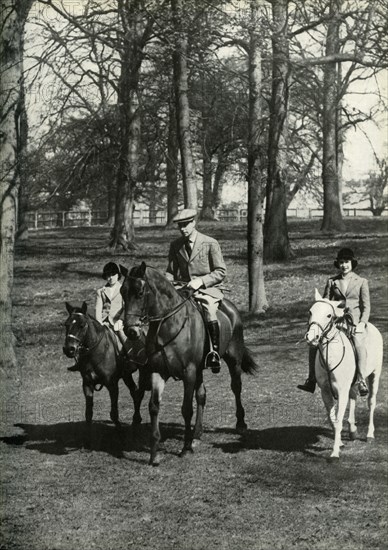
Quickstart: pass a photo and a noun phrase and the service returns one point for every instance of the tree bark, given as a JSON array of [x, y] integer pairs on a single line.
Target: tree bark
[[276, 239], [332, 215], [13, 17], [257, 297], [122, 235], [22, 230], [183, 110], [172, 162]]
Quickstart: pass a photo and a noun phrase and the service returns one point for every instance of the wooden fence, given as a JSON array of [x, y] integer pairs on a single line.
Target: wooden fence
[[84, 218]]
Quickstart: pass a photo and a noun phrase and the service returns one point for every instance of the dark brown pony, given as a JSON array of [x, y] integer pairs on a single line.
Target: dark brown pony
[[101, 363], [176, 346]]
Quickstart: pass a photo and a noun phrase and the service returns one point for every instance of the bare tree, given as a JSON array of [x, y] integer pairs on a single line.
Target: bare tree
[[182, 105], [276, 240], [13, 17], [257, 296]]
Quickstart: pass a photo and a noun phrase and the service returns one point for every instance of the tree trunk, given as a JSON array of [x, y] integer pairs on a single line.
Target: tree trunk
[[332, 215], [257, 297], [172, 162], [183, 109], [22, 231], [13, 16], [123, 229], [207, 212], [276, 239], [122, 235], [219, 178]]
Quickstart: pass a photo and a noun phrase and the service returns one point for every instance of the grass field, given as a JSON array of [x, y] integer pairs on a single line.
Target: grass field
[[271, 488]]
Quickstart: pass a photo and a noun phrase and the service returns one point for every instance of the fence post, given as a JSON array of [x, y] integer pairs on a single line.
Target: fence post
[[63, 219], [36, 220]]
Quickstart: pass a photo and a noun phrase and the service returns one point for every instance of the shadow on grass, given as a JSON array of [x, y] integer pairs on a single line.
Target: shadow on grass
[[66, 437], [286, 439]]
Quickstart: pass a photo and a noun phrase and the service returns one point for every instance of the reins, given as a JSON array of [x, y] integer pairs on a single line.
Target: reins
[[324, 341]]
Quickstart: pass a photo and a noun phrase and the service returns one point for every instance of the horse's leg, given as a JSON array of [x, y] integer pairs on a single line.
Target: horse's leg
[[373, 387], [114, 397], [352, 417], [337, 415], [88, 393], [236, 385], [158, 384], [137, 395], [200, 396], [88, 390], [189, 383]]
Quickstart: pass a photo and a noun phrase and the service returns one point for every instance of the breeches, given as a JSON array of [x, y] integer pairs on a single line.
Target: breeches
[[210, 305]]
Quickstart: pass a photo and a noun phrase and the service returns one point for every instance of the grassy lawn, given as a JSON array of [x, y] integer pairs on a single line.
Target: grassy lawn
[[271, 488]]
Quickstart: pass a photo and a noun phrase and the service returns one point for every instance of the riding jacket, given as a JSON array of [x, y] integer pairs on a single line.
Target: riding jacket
[[205, 261], [109, 304], [356, 295]]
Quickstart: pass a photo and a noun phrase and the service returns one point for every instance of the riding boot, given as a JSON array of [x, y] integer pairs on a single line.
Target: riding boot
[[74, 368], [127, 352], [310, 383], [213, 357], [361, 364]]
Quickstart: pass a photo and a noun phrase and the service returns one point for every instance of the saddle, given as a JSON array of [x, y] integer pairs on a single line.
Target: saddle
[[222, 317], [346, 325]]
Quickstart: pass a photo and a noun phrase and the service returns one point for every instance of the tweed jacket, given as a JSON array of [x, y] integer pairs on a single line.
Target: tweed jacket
[[356, 296], [109, 309], [205, 261]]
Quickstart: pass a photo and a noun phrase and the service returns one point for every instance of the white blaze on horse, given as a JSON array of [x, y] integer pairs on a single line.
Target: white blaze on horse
[[335, 366]]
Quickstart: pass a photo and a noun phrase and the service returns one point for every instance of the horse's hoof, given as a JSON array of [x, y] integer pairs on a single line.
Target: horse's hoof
[[370, 440], [154, 461], [185, 452], [353, 436], [333, 459], [241, 427], [196, 443]]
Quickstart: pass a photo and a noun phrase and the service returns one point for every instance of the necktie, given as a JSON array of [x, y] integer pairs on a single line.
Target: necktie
[[188, 248]]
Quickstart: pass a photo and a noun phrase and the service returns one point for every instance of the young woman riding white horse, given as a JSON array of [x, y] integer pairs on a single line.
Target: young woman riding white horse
[[353, 291]]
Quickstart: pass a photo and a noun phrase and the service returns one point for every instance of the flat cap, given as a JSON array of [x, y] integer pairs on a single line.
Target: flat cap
[[185, 215]]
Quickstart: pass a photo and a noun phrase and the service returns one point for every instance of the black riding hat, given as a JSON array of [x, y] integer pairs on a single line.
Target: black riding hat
[[346, 254], [111, 269]]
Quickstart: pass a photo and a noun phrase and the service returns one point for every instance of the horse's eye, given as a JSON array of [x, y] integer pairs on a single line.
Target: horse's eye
[[329, 316]]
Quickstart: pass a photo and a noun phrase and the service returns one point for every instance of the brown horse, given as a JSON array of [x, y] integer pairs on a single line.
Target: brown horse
[[101, 363], [176, 346]]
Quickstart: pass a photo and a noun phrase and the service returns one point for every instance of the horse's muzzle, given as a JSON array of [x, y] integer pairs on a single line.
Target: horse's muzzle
[[312, 338], [69, 351]]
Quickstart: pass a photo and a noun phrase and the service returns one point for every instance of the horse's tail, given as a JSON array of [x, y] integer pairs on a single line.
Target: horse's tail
[[248, 364]]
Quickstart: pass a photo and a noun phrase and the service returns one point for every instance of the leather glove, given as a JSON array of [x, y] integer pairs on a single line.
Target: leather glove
[[195, 284]]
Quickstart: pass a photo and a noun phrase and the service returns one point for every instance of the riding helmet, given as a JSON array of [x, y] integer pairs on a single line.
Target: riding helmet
[[111, 269], [346, 254]]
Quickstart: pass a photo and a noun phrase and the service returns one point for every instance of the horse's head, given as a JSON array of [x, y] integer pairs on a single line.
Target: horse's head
[[135, 290], [76, 328], [322, 316]]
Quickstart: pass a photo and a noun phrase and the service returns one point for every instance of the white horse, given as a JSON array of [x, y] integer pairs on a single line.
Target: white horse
[[335, 367]]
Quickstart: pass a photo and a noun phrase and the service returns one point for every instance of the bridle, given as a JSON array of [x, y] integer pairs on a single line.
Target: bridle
[[325, 330], [81, 349], [146, 319], [324, 340]]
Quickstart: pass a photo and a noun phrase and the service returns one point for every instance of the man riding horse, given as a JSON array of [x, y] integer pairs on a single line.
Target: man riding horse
[[196, 259]]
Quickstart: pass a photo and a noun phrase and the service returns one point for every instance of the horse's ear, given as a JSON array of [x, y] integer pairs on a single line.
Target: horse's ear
[[84, 307], [317, 295], [69, 308], [143, 268], [123, 270]]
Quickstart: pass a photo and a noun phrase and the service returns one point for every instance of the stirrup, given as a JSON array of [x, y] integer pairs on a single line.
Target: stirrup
[[213, 361], [362, 388]]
